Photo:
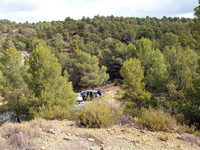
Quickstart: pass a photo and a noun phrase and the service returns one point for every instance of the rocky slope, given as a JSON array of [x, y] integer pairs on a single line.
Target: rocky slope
[[65, 135]]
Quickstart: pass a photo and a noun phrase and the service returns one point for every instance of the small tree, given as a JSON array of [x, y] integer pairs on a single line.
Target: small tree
[[191, 106], [133, 73], [13, 89], [57, 42]]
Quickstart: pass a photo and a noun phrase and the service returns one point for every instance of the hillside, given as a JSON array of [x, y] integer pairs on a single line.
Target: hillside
[[156, 61]]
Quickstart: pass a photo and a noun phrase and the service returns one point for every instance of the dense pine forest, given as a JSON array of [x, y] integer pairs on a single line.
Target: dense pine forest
[[155, 61]]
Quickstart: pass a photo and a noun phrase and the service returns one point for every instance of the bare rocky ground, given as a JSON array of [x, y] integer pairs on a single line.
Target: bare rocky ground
[[66, 135]]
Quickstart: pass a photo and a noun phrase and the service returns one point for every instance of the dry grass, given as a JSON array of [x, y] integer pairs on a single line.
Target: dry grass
[[42, 124], [124, 120], [109, 85], [21, 136], [3, 144], [191, 138]]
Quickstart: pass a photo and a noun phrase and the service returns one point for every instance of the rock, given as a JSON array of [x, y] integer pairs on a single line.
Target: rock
[[42, 148], [137, 145], [6, 137], [102, 147], [67, 138], [109, 132], [77, 134], [142, 131], [91, 148], [68, 134], [114, 130], [90, 139], [149, 144], [51, 131], [178, 137]]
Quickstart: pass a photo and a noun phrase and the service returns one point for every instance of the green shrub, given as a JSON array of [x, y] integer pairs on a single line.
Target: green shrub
[[118, 82], [182, 128], [74, 113], [156, 120], [181, 119], [52, 112], [99, 114], [132, 109]]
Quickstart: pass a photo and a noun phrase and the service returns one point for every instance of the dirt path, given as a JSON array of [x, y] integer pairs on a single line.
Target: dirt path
[[110, 91]]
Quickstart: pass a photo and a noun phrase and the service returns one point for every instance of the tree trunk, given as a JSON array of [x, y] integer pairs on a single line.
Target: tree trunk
[[18, 117]]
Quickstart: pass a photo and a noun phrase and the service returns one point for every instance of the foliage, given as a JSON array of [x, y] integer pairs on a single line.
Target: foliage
[[57, 42], [132, 109], [133, 73], [182, 128], [190, 108], [167, 48], [52, 112], [195, 30], [13, 88], [182, 66], [114, 54], [86, 69], [46, 81], [98, 114], [154, 65], [118, 82], [156, 120]]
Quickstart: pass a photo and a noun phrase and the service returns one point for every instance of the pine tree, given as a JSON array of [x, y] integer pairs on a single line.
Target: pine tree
[[13, 88], [155, 74], [46, 81], [182, 66], [87, 71], [195, 30], [133, 73], [156, 71]]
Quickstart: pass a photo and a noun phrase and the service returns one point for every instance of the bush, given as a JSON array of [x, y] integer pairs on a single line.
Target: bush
[[98, 114], [156, 120], [132, 109], [118, 82], [182, 128], [52, 112], [20, 136], [74, 113], [191, 139], [124, 120]]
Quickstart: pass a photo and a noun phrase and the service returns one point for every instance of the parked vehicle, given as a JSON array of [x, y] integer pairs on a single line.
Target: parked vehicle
[[83, 96], [79, 98]]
